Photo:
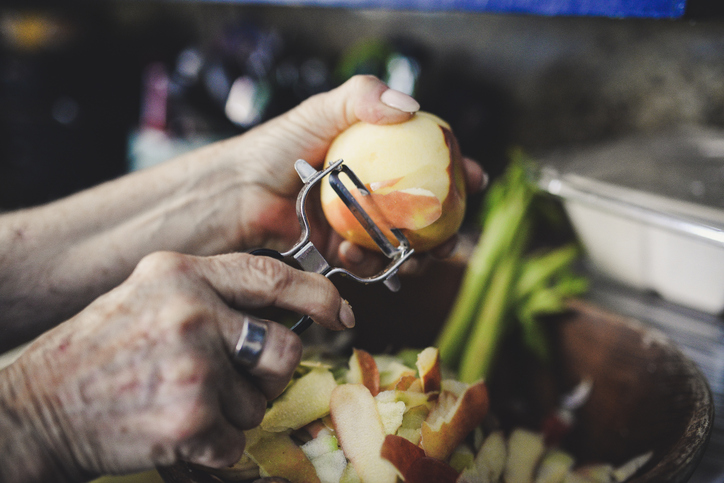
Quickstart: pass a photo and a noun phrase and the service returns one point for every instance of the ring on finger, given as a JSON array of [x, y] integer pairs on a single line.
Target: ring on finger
[[251, 343]]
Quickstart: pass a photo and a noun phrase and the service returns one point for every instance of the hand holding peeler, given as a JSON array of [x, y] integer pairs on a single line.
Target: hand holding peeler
[[311, 259]]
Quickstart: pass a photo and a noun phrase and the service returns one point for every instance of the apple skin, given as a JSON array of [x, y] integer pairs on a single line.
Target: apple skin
[[414, 173]]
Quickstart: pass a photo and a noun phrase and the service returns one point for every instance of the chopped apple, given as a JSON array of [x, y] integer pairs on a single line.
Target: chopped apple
[[426, 469], [428, 367], [409, 398], [452, 419], [596, 473], [279, 455], [303, 402], [405, 383], [525, 449], [363, 370], [320, 445], [576, 478], [401, 453], [360, 432], [489, 463], [554, 466], [410, 429], [462, 457], [349, 475], [392, 371], [330, 466], [413, 172], [391, 414]]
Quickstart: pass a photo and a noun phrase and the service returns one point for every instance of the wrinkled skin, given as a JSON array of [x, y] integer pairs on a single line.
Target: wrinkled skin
[[140, 313]]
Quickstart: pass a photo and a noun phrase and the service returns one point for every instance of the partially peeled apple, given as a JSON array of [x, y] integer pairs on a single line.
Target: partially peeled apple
[[413, 171]]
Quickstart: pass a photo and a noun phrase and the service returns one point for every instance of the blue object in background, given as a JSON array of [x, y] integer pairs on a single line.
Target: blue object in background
[[595, 8]]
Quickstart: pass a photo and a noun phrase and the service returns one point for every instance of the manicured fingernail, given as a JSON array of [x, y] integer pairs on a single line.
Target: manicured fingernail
[[346, 316], [399, 100]]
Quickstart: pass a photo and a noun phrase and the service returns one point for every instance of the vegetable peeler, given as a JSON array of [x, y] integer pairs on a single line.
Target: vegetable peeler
[[311, 259]]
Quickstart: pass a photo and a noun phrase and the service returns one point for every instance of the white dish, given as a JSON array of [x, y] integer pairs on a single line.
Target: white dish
[[640, 235]]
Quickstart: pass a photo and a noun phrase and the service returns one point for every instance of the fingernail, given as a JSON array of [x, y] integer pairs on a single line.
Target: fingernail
[[399, 100], [346, 316]]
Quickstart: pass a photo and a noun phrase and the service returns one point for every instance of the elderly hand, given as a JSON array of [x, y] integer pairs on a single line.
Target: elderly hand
[[146, 375], [267, 206]]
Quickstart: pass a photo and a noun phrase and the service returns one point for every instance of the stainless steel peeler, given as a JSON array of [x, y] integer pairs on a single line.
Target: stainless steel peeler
[[311, 259]]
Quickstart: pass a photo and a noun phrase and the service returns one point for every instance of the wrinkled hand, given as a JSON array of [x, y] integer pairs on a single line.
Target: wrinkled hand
[[144, 375], [268, 207]]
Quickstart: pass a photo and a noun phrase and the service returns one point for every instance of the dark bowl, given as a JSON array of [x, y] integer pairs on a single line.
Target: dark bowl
[[647, 395]]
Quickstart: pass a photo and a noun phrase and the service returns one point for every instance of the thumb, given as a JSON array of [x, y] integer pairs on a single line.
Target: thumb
[[319, 119]]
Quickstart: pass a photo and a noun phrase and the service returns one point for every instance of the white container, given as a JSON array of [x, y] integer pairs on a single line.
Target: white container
[[650, 212]]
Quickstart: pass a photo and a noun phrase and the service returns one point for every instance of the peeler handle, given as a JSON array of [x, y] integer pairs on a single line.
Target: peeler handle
[[303, 323]]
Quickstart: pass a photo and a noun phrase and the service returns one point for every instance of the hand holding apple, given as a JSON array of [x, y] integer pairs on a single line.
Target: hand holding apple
[[414, 173]]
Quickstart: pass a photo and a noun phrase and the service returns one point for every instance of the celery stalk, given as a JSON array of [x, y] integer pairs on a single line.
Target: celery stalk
[[489, 327], [501, 228]]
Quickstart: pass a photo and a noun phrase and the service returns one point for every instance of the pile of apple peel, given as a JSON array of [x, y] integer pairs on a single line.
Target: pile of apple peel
[[382, 421]]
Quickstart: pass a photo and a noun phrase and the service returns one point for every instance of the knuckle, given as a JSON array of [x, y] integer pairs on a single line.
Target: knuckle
[[164, 264], [274, 274], [362, 81]]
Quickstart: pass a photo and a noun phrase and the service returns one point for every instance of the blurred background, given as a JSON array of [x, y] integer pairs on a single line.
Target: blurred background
[[92, 90]]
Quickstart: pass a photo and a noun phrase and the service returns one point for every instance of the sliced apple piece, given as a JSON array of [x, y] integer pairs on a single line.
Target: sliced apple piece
[[596, 472], [426, 469], [302, 402], [452, 419], [428, 367], [392, 371], [330, 466], [279, 455], [360, 432], [525, 449], [410, 429], [325, 443], [489, 462], [391, 414], [462, 457], [401, 453], [554, 466], [349, 475], [363, 370], [404, 383]]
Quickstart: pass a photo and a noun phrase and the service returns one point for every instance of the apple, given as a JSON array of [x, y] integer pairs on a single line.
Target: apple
[[554, 466], [393, 372], [278, 455], [428, 366], [489, 462], [363, 370], [304, 401], [360, 432], [401, 453], [426, 469], [413, 172], [453, 418], [525, 450], [412, 422]]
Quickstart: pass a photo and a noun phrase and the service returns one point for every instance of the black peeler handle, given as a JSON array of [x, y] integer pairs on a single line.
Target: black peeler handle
[[303, 323]]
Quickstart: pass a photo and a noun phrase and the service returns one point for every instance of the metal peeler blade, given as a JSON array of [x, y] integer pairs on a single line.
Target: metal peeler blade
[[312, 260]]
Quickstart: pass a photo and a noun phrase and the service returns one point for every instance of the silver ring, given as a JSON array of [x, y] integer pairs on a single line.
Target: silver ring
[[250, 344]]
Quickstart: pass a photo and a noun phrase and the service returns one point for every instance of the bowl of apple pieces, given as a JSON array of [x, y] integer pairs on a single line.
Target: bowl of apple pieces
[[618, 402]]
